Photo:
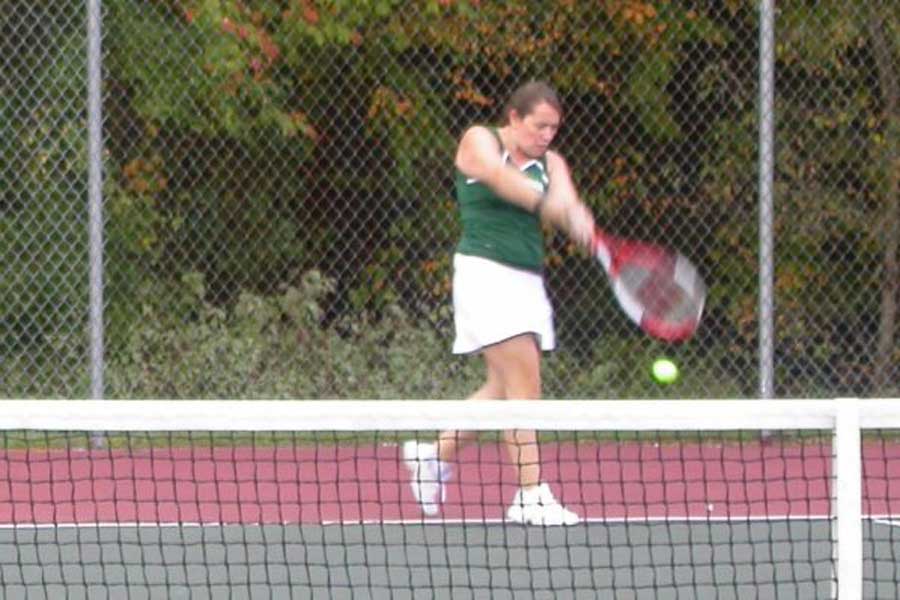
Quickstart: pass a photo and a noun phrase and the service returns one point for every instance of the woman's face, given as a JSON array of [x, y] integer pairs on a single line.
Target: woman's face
[[535, 131]]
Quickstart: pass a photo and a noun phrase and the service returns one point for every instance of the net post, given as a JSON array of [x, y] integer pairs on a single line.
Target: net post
[[848, 499]]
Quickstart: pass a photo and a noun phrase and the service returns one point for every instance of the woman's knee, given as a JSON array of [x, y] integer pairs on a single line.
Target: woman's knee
[[516, 366]]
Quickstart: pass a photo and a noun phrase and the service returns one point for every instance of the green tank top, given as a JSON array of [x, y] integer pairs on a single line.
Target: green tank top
[[495, 229]]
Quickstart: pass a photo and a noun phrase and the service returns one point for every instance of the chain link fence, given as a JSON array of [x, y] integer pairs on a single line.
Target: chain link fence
[[278, 211]]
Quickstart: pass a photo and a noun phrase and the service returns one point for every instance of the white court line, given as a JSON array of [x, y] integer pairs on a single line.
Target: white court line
[[888, 522], [591, 520], [432, 521]]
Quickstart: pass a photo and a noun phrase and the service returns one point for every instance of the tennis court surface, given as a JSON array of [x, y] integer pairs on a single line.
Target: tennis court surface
[[312, 500]]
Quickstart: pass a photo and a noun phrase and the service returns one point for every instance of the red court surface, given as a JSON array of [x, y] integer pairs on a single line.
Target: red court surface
[[369, 483]]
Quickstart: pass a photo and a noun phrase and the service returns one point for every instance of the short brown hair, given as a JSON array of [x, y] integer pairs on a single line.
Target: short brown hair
[[528, 96]]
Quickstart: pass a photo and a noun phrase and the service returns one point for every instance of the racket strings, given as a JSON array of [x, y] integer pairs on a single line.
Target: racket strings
[[659, 294]]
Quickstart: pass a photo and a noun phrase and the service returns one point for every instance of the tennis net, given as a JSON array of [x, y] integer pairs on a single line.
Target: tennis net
[[230, 499]]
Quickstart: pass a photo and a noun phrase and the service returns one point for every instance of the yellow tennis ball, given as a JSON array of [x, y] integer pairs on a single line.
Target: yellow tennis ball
[[664, 371]]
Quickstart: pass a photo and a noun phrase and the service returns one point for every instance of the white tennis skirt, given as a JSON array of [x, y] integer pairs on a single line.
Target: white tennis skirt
[[493, 302]]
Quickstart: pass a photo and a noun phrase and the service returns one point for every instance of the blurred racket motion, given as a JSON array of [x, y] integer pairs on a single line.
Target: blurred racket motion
[[658, 289]]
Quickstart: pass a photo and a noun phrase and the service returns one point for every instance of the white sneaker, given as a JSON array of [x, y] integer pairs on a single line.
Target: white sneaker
[[537, 506], [425, 475]]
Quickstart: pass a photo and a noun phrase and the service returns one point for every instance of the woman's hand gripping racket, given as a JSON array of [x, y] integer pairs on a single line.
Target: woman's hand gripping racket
[[658, 289]]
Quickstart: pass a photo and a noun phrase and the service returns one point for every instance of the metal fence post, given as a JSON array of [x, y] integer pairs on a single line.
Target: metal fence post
[[95, 202], [766, 167]]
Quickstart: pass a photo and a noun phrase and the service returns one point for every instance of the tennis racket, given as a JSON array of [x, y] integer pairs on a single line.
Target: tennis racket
[[658, 289]]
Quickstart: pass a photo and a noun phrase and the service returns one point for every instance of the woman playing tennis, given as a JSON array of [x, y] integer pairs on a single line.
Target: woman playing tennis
[[508, 182]]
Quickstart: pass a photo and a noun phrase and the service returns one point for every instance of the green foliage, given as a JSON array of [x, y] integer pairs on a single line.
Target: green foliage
[[250, 141], [43, 227], [619, 368], [200, 70], [280, 347], [832, 187], [239, 80]]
